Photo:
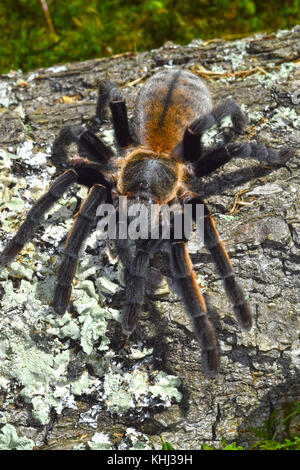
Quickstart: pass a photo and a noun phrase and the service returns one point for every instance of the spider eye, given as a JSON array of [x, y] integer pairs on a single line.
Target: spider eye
[[144, 185]]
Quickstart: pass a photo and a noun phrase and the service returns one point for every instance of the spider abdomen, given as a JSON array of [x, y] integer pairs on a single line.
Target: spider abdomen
[[166, 105]]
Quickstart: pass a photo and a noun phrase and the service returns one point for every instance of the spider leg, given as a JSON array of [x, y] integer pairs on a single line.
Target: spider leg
[[192, 135], [110, 93], [135, 279], [214, 158], [88, 144], [186, 285], [222, 262], [79, 232], [56, 190], [123, 251]]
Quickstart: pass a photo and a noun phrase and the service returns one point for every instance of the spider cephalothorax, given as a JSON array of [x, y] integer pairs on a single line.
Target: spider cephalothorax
[[155, 153], [143, 173]]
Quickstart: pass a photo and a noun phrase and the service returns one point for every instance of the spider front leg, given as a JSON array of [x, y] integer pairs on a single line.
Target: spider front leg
[[135, 281], [192, 136], [26, 230], [110, 93], [222, 262], [79, 232], [187, 286], [216, 157]]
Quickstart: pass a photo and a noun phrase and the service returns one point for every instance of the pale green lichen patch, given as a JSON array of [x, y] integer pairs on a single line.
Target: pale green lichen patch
[[108, 136], [269, 79], [7, 97], [107, 285], [21, 270], [213, 136], [284, 118], [63, 326], [15, 204], [93, 328], [135, 388], [40, 371], [134, 440], [136, 353], [236, 58], [26, 154], [3, 273], [36, 369], [81, 385], [9, 439], [101, 441], [6, 159], [43, 373], [166, 387]]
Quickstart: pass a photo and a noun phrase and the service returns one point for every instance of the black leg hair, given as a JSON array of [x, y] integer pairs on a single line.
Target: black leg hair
[[123, 250], [56, 190], [216, 157], [186, 285], [88, 145], [79, 232], [135, 281], [222, 262], [192, 135], [88, 173], [110, 93]]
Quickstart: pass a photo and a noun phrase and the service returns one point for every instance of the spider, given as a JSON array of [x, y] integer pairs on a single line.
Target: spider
[[155, 152]]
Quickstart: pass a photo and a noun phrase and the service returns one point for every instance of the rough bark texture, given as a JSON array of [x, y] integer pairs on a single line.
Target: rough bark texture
[[73, 382]]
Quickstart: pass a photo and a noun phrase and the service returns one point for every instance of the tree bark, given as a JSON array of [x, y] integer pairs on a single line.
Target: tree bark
[[64, 382]]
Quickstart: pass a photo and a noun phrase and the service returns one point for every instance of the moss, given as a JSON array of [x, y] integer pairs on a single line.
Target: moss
[[83, 30]]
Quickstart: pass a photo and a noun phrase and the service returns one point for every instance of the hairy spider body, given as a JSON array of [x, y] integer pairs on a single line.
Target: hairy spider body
[[155, 154]]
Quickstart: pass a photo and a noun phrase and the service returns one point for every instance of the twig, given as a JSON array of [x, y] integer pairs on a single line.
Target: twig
[[48, 16], [239, 201], [203, 72], [134, 82]]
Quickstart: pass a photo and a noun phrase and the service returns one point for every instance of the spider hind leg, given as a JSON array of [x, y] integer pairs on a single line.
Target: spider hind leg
[[216, 157], [192, 137]]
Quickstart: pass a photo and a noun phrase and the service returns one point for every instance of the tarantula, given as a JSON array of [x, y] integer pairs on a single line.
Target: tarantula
[[155, 152]]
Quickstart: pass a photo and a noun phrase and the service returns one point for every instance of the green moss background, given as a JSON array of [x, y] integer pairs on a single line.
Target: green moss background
[[81, 30]]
